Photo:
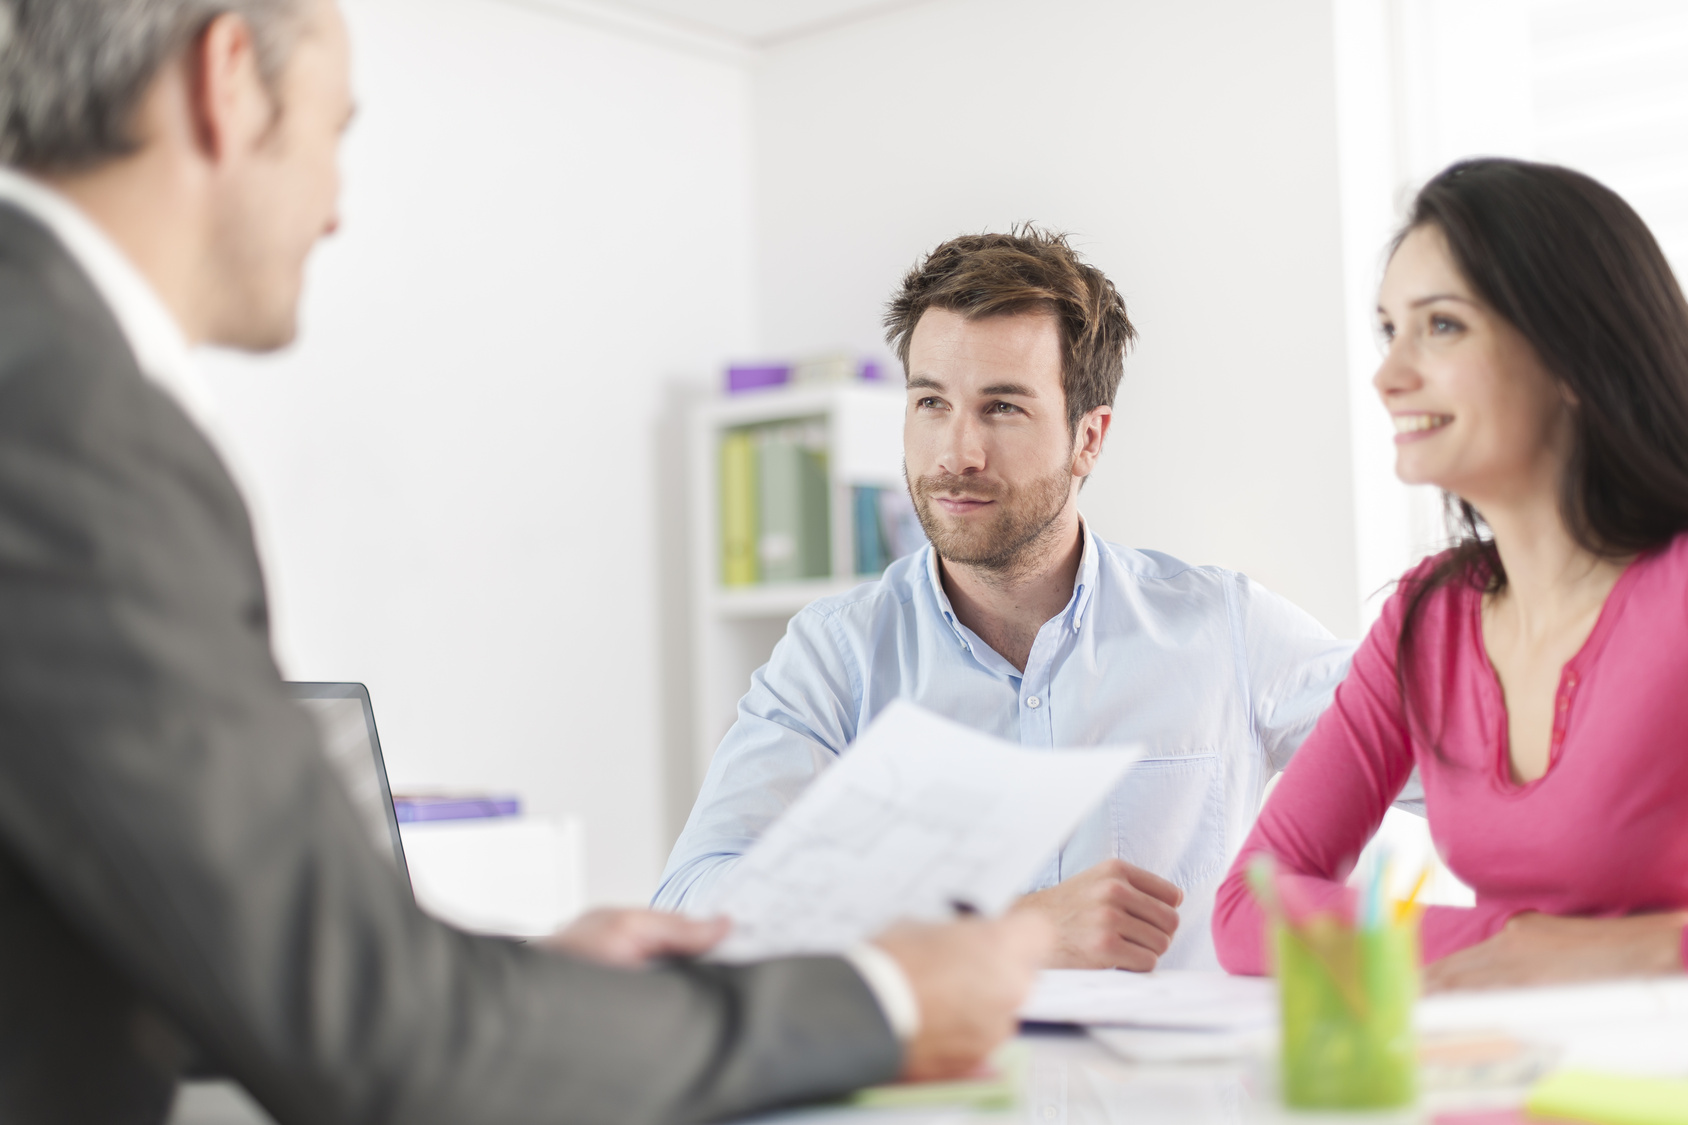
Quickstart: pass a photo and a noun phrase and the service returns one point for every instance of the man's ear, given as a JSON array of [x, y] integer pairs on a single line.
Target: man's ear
[[1088, 440], [231, 106]]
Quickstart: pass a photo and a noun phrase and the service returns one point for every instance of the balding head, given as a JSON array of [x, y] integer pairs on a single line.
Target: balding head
[[202, 135], [74, 72]]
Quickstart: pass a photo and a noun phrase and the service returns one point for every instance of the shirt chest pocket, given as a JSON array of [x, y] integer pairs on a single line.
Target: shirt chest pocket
[[1168, 815]]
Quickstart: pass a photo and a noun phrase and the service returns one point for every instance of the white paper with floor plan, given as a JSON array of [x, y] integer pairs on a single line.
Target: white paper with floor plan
[[919, 815]]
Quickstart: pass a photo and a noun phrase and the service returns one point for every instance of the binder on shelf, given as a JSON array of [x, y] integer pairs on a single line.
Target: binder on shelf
[[886, 528], [899, 525], [794, 538], [738, 509], [871, 556]]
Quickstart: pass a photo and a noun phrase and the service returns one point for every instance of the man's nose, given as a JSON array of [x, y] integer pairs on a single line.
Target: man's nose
[[963, 448]]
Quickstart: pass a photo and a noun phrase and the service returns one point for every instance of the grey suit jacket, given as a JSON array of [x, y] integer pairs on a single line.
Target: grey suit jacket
[[180, 870]]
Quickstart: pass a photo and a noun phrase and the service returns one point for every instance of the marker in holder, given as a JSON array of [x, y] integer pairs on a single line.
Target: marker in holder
[[1347, 980]]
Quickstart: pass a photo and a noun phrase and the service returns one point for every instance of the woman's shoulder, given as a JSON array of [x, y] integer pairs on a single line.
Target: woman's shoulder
[[1674, 554], [1662, 572]]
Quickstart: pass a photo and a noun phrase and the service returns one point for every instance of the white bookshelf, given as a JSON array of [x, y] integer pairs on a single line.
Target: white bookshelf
[[735, 628]]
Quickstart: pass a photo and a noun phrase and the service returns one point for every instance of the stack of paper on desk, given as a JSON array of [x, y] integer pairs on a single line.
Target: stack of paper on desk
[[1164, 1016], [1169, 998], [920, 816], [1637, 1027]]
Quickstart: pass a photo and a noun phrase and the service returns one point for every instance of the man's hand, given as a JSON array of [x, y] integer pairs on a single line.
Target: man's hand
[[1112, 916], [1544, 949], [970, 979], [629, 938]]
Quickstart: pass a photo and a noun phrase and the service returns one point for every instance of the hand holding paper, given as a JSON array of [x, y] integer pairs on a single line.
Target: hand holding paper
[[919, 815], [969, 979]]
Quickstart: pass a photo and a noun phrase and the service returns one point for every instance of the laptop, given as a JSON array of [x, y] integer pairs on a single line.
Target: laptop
[[347, 722]]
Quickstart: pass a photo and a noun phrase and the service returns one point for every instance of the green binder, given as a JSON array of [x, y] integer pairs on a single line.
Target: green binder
[[738, 509], [794, 540]]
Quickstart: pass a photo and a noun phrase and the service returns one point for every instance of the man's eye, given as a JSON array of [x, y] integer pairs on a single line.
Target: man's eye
[[927, 403], [1003, 408]]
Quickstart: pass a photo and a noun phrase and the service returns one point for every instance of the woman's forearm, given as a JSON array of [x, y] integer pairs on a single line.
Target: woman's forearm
[[1542, 949]]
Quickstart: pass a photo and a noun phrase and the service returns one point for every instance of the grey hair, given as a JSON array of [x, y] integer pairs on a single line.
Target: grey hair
[[73, 72]]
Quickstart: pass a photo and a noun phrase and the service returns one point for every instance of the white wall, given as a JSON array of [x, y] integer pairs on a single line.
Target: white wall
[[1192, 149], [467, 475], [462, 471]]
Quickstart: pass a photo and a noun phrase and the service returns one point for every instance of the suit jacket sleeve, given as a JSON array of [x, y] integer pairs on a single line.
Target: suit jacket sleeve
[[173, 806]]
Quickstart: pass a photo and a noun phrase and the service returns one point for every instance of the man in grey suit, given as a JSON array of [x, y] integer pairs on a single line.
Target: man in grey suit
[[180, 873]]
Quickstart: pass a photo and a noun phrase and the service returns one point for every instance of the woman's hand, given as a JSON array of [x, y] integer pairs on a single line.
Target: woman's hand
[[1544, 949]]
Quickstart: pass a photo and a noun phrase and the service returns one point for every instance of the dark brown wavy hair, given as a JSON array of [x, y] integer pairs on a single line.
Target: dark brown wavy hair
[[1571, 266], [1026, 270]]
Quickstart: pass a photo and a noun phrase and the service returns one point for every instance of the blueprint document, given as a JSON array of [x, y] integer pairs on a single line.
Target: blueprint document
[[920, 815]]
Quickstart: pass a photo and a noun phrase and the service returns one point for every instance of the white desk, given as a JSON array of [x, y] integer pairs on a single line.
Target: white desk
[[1637, 1027], [1072, 1081]]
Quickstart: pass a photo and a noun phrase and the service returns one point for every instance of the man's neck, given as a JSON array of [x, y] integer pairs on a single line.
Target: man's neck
[[1007, 607], [138, 207]]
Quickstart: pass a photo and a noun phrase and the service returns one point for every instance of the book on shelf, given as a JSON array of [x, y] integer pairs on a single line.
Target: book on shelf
[[775, 517], [886, 528], [738, 509], [871, 555]]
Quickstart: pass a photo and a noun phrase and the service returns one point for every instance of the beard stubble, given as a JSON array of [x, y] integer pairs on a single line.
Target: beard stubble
[[1023, 519]]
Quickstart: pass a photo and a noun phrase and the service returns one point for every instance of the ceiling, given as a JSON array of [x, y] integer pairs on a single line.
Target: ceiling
[[758, 22]]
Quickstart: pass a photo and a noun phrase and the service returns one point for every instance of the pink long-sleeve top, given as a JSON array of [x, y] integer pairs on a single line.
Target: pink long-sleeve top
[[1603, 833]]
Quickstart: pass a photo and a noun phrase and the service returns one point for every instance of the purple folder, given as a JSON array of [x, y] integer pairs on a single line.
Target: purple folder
[[410, 810]]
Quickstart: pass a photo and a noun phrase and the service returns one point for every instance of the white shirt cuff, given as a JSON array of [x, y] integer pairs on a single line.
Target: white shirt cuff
[[889, 985]]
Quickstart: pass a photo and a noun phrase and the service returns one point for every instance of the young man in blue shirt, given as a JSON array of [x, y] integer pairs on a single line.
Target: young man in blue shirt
[[1017, 620]]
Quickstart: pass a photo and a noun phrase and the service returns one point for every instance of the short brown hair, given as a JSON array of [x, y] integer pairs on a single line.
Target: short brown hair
[[1027, 270]]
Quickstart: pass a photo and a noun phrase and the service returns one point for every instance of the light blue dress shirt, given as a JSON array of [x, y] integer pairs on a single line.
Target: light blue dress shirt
[[1219, 678]]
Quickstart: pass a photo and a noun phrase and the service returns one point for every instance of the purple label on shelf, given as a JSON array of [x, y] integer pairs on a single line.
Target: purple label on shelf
[[750, 378], [410, 810]]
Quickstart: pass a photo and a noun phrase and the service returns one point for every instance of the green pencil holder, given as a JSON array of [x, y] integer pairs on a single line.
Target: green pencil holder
[[1347, 1039]]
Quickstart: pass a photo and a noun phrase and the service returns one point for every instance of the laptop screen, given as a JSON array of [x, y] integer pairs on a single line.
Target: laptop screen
[[347, 721]]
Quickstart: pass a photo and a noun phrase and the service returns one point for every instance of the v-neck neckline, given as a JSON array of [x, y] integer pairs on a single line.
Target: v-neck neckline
[[1571, 675]]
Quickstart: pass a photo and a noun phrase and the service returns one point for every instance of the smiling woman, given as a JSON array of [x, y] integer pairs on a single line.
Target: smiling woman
[[1568, 353], [1536, 369]]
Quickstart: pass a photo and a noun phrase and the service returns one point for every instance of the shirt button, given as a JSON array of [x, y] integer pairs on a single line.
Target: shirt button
[[1033, 702]]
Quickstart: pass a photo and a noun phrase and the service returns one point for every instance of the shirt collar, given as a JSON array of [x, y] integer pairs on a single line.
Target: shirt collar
[[160, 349], [1089, 566], [935, 576]]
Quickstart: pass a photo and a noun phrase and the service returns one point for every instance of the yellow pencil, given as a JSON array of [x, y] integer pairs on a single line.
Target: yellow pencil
[[1404, 909]]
